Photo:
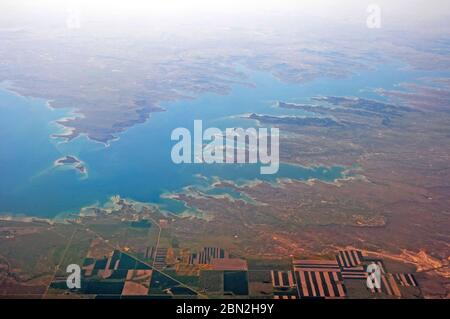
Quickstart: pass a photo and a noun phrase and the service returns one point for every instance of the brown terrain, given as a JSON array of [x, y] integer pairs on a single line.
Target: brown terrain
[[393, 203]]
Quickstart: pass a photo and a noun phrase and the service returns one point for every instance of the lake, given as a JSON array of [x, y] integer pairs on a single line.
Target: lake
[[138, 165]]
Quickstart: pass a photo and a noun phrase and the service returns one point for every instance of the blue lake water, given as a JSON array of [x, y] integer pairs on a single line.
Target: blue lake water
[[138, 165]]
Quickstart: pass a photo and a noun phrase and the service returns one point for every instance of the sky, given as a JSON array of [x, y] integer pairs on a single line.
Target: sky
[[395, 12]]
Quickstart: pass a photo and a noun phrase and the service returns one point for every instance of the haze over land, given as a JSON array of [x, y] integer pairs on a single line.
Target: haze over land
[[364, 115], [124, 59]]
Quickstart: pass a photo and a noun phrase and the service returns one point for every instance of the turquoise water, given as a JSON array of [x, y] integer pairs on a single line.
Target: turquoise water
[[138, 165]]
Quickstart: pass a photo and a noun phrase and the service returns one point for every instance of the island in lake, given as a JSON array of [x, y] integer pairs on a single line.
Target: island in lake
[[73, 162]]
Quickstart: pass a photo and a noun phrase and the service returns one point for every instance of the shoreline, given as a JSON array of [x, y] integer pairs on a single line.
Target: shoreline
[[213, 181]]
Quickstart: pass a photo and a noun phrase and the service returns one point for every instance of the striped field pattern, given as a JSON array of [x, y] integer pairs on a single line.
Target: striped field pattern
[[389, 286], [319, 279], [406, 280], [160, 258], [282, 279], [281, 296], [326, 278], [349, 258], [205, 256], [354, 273], [353, 266]]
